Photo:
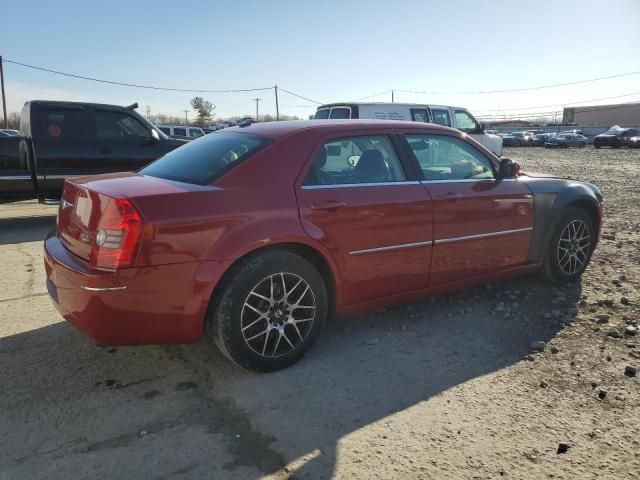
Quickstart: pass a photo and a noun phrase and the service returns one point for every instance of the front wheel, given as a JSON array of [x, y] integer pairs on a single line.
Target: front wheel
[[570, 248], [582, 145], [270, 311]]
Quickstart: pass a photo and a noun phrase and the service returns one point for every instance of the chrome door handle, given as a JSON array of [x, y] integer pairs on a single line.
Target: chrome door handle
[[328, 206], [450, 197]]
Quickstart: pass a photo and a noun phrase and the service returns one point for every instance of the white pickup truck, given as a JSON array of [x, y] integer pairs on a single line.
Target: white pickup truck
[[455, 117]]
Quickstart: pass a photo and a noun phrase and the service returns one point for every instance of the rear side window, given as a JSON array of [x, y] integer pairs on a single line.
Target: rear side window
[[61, 125], [165, 130], [441, 116], [195, 133], [203, 160], [353, 160], [180, 131]]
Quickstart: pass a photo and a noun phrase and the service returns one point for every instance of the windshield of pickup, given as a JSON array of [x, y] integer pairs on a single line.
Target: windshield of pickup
[[207, 158]]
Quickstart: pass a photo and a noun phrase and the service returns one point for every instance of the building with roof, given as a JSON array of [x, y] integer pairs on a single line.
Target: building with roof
[[627, 114]]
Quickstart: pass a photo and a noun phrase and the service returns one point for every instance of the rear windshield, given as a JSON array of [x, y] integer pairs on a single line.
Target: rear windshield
[[204, 159]]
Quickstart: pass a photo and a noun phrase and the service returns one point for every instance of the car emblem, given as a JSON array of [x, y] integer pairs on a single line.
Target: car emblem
[[66, 204], [85, 237]]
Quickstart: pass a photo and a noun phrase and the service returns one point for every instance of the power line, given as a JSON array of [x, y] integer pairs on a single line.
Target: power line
[[123, 84], [300, 96], [566, 104], [539, 87]]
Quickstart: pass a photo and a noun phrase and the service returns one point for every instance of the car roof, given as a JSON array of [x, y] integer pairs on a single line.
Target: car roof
[[423, 104], [285, 128]]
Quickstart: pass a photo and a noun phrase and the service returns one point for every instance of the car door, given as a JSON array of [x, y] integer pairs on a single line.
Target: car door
[[63, 145], [482, 225], [358, 200], [123, 142]]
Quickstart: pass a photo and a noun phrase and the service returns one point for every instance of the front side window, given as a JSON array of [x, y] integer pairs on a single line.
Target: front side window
[[441, 116], [340, 113], [180, 131], [195, 133], [205, 159], [448, 158], [322, 114], [465, 122], [353, 160], [111, 125]]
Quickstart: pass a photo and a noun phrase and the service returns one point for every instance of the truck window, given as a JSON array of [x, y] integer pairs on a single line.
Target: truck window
[[180, 131], [113, 125], [419, 115], [441, 116], [195, 132], [165, 130], [465, 122], [61, 124], [322, 114], [340, 113]]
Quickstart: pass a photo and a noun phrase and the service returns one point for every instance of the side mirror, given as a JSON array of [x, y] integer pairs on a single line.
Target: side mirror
[[508, 168], [153, 137]]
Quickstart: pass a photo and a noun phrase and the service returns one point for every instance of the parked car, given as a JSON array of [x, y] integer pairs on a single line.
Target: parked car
[[518, 139], [634, 142], [539, 139], [455, 117], [566, 140], [256, 234], [182, 132], [66, 139], [616, 137], [246, 121]]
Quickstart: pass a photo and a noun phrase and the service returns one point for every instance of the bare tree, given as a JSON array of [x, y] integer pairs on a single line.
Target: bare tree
[[204, 109]]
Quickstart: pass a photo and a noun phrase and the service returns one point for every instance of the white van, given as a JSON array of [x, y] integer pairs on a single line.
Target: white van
[[182, 131], [455, 117]]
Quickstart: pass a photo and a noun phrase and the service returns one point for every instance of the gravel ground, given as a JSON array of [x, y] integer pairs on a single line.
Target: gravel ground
[[443, 388]]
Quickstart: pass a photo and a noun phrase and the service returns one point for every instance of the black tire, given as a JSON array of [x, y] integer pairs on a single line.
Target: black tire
[[582, 145], [225, 316], [553, 269], [596, 145]]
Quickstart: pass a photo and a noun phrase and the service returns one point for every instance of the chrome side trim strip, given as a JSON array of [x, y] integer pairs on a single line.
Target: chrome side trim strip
[[483, 235], [15, 177], [353, 185], [468, 180], [101, 289], [390, 247]]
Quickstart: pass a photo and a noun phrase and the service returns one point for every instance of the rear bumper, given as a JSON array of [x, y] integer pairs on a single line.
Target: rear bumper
[[135, 306]]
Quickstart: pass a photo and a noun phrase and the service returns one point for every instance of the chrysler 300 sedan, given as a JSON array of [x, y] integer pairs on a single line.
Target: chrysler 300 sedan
[[255, 235]]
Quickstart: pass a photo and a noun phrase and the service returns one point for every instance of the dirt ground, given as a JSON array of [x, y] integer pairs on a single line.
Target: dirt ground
[[446, 388]]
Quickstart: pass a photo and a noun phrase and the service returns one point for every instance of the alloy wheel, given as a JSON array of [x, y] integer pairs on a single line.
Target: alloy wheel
[[278, 314], [574, 247]]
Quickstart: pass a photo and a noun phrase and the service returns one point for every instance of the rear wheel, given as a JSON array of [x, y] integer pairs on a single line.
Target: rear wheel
[[270, 311], [570, 248], [582, 145]]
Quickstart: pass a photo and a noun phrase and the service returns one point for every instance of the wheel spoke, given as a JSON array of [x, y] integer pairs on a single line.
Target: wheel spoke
[[251, 307], [257, 335], [284, 286], [275, 349], [300, 320], [284, 335], [254, 293], [266, 340], [259, 319], [297, 330]]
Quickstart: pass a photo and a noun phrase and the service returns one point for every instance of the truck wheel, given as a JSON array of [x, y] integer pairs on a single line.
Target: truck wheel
[[270, 311], [570, 248]]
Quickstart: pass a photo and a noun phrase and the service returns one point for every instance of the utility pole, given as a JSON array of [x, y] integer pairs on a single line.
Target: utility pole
[[277, 107], [392, 96], [257, 100], [4, 97], [148, 112], [186, 118]]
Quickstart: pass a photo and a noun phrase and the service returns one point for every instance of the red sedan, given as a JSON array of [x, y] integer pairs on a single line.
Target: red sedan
[[257, 234]]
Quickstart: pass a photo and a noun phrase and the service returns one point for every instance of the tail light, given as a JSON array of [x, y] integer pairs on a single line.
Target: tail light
[[118, 235]]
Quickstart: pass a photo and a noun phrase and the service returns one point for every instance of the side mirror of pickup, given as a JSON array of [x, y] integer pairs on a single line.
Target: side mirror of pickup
[[153, 137], [508, 168]]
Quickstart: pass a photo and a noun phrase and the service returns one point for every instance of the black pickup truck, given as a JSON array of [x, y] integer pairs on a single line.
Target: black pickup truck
[[69, 139]]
